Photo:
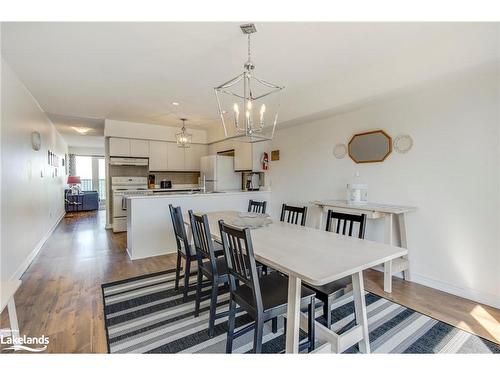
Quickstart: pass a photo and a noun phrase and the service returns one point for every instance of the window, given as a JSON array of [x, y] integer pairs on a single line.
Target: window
[[92, 172]]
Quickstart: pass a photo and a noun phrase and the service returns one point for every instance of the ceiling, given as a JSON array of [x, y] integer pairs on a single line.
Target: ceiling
[[82, 73]]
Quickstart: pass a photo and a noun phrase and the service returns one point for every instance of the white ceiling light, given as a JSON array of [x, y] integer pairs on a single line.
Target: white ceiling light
[[175, 103], [243, 96], [82, 131], [184, 138]]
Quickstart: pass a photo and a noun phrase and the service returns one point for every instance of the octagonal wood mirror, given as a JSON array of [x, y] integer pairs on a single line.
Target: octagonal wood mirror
[[370, 147]]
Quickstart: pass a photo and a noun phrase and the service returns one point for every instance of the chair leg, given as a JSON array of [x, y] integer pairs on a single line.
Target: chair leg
[[327, 313], [274, 324], [311, 325], [213, 307], [230, 322], [257, 337], [186, 279], [178, 271], [198, 294]]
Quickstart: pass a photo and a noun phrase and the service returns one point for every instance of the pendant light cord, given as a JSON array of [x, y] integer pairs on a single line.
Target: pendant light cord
[[249, 53]]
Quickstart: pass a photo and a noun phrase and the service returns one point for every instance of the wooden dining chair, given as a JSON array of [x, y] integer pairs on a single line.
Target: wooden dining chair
[[256, 206], [336, 220], [344, 224], [209, 265], [263, 298], [291, 214], [184, 249]]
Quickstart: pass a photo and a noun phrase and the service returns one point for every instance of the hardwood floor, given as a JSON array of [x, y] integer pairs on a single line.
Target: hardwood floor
[[61, 292]]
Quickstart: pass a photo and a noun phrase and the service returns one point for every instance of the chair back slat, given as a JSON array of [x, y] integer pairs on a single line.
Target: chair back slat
[[179, 230], [336, 220], [256, 206], [240, 258], [202, 240], [291, 214]]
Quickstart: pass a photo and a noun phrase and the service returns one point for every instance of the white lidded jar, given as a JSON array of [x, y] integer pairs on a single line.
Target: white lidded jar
[[357, 192]]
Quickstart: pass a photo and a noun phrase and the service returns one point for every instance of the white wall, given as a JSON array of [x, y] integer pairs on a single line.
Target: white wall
[[31, 205], [451, 175]]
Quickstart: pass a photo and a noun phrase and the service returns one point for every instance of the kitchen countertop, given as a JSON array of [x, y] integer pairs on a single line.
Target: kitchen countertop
[[197, 194], [174, 189]]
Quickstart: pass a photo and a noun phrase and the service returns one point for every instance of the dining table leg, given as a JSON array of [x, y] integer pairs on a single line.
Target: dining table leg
[[293, 315], [358, 291]]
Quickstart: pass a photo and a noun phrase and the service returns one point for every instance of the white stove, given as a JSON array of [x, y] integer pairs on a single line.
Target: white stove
[[123, 187]]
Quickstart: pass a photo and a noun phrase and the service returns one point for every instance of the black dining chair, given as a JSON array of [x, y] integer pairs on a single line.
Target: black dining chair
[[209, 265], [184, 249], [263, 298], [291, 214], [256, 206], [344, 224]]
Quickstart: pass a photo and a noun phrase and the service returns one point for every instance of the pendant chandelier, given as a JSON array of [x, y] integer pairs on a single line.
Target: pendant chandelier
[[183, 138], [241, 102]]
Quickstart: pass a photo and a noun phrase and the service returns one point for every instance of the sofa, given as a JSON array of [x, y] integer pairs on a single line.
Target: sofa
[[86, 201]]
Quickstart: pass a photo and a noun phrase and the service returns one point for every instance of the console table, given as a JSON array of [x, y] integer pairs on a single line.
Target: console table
[[390, 214]]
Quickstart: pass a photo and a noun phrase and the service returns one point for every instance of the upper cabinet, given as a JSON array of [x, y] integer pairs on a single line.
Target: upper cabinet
[[175, 159], [163, 156], [192, 156], [243, 160], [167, 156], [137, 148], [158, 154], [119, 147], [247, 156]]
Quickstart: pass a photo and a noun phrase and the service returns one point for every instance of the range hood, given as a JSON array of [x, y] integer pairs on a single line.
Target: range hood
[[129, 161]]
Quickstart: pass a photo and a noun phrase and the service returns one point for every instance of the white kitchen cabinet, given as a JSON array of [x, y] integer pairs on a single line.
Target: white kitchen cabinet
[[247, 156], [243, 156], [158, 156], [175, 159], [139, 148], [119, 147], [192, 156]]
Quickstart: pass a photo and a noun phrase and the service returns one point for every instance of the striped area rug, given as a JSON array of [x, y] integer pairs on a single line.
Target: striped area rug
[[146, 315]]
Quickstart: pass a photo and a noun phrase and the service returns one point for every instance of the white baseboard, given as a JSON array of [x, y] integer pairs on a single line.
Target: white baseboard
[[472, 294], [150, 255], [24, 265]]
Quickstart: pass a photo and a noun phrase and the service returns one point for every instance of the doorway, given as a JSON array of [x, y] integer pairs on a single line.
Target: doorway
[[92, 172]]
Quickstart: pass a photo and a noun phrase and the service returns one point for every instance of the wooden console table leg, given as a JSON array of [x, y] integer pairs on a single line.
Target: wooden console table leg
[[388, 265], [404, 242]]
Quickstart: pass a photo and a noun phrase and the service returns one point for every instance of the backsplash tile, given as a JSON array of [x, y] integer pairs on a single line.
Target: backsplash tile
[[177, 177]]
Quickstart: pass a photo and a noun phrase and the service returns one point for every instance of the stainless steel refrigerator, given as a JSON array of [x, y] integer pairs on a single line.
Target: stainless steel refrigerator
[[217, 173]]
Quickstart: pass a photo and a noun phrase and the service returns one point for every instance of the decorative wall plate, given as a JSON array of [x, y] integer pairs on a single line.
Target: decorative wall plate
[[36, 141], [340, 150], [403, 143]]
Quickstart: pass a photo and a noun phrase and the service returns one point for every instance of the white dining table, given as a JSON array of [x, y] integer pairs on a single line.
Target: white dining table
[[315, 257]]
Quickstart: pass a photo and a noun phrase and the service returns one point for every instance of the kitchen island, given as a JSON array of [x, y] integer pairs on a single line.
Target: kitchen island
[[149, 226]]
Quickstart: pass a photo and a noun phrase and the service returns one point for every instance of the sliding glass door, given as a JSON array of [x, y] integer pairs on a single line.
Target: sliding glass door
[[92, 172]]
